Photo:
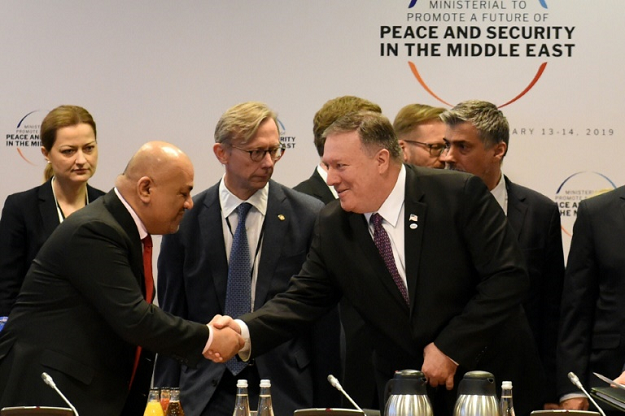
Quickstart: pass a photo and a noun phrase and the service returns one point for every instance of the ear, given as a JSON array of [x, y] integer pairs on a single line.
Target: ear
[[221, 153], [382, 159], [500, 151], [402, 144], [144, 187], [45, 153]]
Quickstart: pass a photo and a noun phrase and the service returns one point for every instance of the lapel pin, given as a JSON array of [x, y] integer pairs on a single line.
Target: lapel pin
[[413, 226], [413, 217], [281, 217]]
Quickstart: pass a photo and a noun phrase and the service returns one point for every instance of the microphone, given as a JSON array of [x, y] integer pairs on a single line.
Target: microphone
[[575, 380], [335, 383], [50, 382]]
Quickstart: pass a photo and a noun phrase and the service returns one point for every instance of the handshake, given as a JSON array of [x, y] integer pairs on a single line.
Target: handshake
[[227, 339]]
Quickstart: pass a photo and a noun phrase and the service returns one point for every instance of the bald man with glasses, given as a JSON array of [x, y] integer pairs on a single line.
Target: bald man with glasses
[[236, 250]]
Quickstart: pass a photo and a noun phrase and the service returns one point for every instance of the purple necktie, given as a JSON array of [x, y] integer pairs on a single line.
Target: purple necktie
[[383, 243]]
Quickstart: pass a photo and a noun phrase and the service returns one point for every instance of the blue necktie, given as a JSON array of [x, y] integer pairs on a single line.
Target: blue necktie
[[239, 292]]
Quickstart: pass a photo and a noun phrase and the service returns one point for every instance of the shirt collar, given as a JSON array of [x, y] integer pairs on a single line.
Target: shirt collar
[[501, 194], [392, 206], [143, 232], [229, 202]]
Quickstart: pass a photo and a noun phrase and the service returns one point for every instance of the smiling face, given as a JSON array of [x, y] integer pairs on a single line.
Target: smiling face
[[74, 154], [243, 175], [355, 173], [467, 153]]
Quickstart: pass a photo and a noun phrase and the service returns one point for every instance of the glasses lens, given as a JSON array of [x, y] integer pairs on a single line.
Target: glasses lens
[[437, 149]]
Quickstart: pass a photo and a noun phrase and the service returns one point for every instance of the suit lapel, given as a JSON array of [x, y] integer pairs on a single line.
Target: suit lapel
[[47, 208], [277, 219], [414, 221], [517, 208], [214, 245]]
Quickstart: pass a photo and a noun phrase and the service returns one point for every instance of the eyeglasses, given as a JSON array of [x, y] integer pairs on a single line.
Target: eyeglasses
[[259, 154], [436, 149]]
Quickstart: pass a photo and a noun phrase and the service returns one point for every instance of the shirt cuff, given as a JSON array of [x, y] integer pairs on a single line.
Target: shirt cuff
[[572, 396], [246, 351], [210, 339]]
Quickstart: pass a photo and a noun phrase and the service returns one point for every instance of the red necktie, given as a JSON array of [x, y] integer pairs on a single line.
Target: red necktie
[[383, 243], [149, 290]]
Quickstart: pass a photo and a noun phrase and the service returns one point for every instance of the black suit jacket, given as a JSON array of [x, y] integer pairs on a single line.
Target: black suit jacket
[[81, 313], [465, 278], [592, 334], [28, 219], [193, 272], [356, 355], [317, 187], [536, 221]]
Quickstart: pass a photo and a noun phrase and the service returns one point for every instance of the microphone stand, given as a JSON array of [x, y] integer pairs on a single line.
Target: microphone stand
[[50, 382], [335, 383], [575, 380]]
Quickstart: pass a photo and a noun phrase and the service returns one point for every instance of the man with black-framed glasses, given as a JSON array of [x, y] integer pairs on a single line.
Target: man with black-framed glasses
[[420, 133], [236, 250]]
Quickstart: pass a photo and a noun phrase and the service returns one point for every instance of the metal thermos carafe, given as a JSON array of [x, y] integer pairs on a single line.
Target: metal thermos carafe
[[477, 395], [406, 395]]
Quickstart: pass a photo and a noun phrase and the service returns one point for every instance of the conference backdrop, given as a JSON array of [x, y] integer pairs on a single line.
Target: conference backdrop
[[166, 70]]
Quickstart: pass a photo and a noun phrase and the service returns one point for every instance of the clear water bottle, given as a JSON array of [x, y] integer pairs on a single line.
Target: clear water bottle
[[242, 402], [174, 408], [265, 408], [506, 408], [153, 408]]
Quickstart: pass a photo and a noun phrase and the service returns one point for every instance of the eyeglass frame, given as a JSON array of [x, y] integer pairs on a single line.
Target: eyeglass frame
[[431, 147], [280, 148]]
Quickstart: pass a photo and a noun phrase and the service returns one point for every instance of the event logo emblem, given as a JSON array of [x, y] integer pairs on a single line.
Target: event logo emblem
[[25, 140], [499, 29], [576, 188], [287, 141]]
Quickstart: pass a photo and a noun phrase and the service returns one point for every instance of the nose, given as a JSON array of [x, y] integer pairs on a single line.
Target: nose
[[80, 157], [447, 155], [188, 204], [267, 161], [333, 178]]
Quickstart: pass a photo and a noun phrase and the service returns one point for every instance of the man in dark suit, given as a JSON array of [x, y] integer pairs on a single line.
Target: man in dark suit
[[593, 318], [477, 137], [357, 377], [436, 274], [194, 270], [85, 304]]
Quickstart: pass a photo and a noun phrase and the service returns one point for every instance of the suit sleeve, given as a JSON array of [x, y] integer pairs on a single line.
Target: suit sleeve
[[13, 253], [109, 284], [502, 279], [581, 290]]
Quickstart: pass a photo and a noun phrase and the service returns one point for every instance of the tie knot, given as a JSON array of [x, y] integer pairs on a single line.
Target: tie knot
[[243, 209], [147, 241], [376, 219]]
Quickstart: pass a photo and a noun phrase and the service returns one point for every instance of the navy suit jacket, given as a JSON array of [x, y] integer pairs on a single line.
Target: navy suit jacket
[[28, 219], [466, 282], [192, 283], [80, 315], [592, 334], [536, 221], [317, 187]]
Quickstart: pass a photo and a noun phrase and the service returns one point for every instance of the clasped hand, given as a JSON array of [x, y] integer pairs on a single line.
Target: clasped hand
[[438, 368], [227, 339]]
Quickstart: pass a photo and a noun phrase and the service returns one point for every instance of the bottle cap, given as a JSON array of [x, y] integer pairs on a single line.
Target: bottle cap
[[265, 383], [241, 383], [506, 384]]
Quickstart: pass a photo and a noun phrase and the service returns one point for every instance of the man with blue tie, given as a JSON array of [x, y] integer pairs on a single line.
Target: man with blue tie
[[236, 250]]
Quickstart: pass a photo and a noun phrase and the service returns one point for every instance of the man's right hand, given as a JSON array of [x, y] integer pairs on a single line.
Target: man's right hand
[[575, 403], [226, 339]]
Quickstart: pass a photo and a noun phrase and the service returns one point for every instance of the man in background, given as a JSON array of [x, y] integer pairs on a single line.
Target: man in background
[[477, 136], [356, 356], [85, 304], [421, 134], [236, 250]]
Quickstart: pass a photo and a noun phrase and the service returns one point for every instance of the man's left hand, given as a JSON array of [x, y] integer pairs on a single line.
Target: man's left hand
[[438, 368]]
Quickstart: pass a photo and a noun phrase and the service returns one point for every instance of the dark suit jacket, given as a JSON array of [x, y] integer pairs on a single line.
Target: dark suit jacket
[[465, 278], [536, 221], [28, 219], [592, 334], [81, 313], [358, 376], [193, 272], [317, 187]]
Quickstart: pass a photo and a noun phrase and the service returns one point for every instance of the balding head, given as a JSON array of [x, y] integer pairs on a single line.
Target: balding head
[[157, 183]]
